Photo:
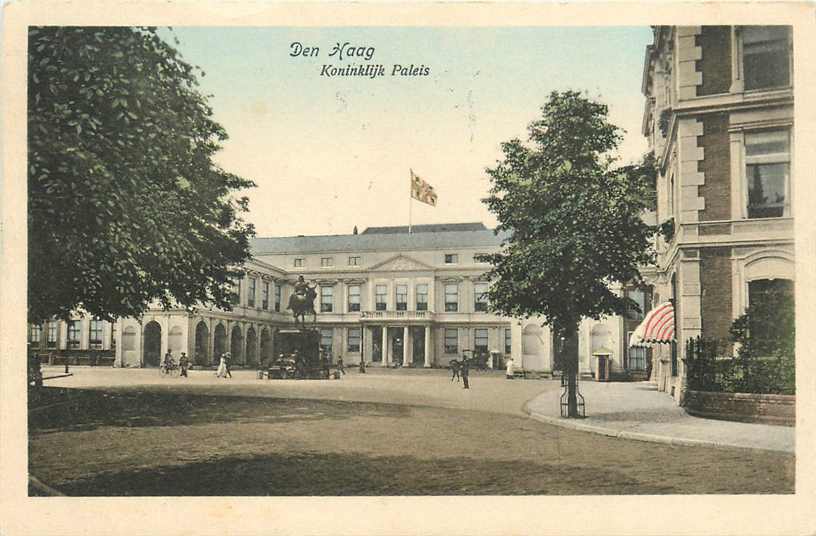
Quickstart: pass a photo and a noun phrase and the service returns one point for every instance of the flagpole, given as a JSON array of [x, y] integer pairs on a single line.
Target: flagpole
[[410, 195]]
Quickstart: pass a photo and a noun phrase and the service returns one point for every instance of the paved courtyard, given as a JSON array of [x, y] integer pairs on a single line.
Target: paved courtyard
[[638, 411], [131, 432]]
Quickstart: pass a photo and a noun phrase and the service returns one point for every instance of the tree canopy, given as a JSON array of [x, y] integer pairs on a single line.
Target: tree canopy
[[125, 203], [574, 219]]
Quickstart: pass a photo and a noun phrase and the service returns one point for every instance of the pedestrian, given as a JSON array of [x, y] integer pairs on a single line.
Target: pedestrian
[[340, 366], [465, 369], [362, 366], [168, 361], [184, 363], [455, 366], [222, 367], [228, 365], [509, 364]]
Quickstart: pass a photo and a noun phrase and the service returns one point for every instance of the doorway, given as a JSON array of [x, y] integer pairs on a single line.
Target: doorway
[[418, 346], [395, 336], [152, 344]]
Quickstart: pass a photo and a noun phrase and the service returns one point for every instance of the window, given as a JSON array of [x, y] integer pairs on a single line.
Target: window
[[34, 333], [95, 335], [265, 296], [381, 292], [326, 299], [354, 261], [636, 356], [326, 336], [354, 298], [451, 298], [298, 263], [422, 297], [402, 297], [480, 297], [766, 60], [277, 298], [325, 262], [480, 340], [451, 340], [451, 258], [73, 334], [508, 348], [51, 336], [353, 340], [767, 170], [639, 296], [235, 293], [251, 292]]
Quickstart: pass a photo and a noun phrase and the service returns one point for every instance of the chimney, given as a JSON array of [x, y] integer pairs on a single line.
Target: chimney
[[355, 230]]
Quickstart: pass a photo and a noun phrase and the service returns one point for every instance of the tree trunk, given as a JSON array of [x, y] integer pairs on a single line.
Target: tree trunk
[[569, 349]]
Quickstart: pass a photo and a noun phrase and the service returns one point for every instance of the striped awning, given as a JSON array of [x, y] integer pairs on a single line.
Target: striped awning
[[657, 327]]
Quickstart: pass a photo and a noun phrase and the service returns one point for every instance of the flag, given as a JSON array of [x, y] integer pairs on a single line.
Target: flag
[[422, 191]]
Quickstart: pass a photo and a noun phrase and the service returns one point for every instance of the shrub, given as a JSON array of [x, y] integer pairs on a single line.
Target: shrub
[[765, 352]]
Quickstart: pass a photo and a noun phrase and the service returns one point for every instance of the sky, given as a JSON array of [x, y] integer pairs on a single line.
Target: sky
[[328, 154]]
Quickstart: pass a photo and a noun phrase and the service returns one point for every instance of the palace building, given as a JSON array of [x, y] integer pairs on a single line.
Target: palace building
[[719, 119], [384, 295]]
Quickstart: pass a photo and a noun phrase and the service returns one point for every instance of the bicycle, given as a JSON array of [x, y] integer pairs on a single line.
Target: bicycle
[[171, 370]]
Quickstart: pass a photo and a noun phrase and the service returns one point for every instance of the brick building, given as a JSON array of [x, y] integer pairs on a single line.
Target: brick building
[[719, 119]]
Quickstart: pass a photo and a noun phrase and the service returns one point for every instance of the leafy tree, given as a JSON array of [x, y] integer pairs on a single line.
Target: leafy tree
[[126, 205], [574, 222], [766, 343]]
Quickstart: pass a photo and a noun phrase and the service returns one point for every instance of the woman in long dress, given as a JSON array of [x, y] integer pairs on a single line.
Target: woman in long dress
[[222, 367]]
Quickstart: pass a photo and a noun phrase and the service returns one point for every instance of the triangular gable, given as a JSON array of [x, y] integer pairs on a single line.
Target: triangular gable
[[401, 263]]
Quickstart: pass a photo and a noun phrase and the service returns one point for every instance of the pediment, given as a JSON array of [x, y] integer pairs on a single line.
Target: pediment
[[401, 263]]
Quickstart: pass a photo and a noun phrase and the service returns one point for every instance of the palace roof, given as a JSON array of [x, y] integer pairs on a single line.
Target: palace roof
[[433, 236]]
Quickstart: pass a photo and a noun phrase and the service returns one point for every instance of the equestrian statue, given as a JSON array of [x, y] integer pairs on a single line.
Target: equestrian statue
[[301, 301]]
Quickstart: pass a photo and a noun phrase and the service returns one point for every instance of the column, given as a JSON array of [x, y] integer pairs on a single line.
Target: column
[[385, 359], [737, 81], [62, 334], [84, 333], [406, 346], [494, 343], [119, 357], [428, 346], [516, 346], [210, 357], [342, 300], [165, 336]]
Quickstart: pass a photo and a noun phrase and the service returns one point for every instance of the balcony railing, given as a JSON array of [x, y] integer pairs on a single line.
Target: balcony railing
[[395, 315]]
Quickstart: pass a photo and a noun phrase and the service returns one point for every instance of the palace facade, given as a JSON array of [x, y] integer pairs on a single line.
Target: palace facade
[[384, 295]]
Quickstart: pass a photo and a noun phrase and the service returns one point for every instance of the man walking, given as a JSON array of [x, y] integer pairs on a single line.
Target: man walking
[[227, 365], [465, 369], [340, 366], [184, 363]]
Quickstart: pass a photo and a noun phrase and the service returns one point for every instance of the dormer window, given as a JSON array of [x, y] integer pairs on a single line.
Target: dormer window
[[451, 258]]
